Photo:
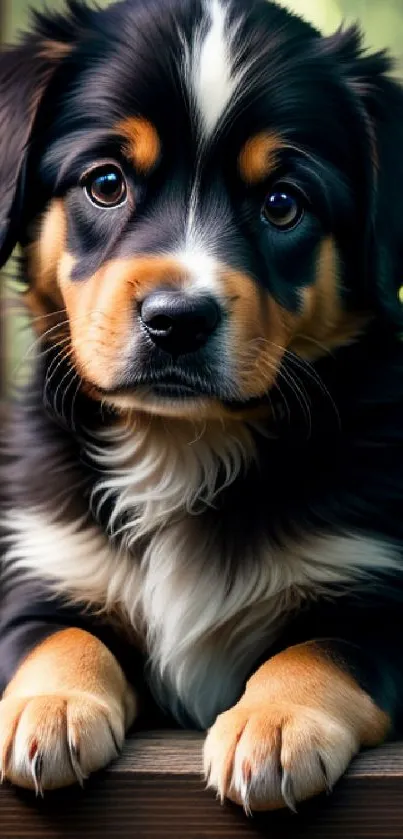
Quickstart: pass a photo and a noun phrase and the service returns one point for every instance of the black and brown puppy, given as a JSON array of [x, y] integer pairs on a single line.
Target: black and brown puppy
[[204, 479]]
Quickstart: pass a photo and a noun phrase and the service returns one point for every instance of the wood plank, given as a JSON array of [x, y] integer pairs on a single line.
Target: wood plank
[[155, 790]]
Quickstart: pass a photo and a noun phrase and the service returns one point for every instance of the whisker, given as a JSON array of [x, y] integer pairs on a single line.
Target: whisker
[[37, 341], [61, 355], [306, 367], [60, 359], [310, 371], [272, 368], [60, 413], [67, 388], [318, 344], [301, 395], [75, 378]]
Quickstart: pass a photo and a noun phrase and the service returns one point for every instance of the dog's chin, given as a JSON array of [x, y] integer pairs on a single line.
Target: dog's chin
[[184, 403], [166, 401], [174, 394]]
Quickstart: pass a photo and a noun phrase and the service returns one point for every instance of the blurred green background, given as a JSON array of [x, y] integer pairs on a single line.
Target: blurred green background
[[381, 20]]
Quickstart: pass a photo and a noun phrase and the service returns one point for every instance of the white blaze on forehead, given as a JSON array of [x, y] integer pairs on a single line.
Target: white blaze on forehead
[[212, 78]]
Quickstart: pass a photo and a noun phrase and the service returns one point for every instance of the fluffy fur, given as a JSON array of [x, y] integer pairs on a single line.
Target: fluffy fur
[[211, 484], [199, 624]]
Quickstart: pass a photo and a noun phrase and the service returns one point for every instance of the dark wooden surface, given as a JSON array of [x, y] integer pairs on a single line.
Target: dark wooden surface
[[155, 790]]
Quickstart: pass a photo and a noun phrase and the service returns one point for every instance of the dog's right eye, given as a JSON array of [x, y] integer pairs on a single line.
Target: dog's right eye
[[106, 186]]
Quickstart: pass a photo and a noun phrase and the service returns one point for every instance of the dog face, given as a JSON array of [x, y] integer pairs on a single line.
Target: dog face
[[200, 188]]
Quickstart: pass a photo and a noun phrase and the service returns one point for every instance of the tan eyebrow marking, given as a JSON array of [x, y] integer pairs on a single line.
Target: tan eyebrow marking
[[259, 156], [55, 50], [142, 146]]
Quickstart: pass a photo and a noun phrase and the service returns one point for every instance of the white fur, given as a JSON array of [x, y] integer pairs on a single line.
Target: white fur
[[203, 269], [200, 624], [212, 82], [161, 469], [209, 66], [198, 251]]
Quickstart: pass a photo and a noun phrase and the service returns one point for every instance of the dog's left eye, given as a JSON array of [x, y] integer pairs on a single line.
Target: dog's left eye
[[283, 207], [106, 186]]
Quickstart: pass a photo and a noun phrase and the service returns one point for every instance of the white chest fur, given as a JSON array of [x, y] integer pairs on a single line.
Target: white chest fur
[[203, 626]]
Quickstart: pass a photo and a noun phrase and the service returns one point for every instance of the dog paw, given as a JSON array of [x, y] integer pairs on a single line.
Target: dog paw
[[269, 757], [55, 740]]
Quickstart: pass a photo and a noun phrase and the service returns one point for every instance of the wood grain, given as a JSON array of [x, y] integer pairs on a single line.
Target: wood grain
[[155, 790]]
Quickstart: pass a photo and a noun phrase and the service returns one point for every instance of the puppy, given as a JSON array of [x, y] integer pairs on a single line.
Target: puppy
[[203, 480]]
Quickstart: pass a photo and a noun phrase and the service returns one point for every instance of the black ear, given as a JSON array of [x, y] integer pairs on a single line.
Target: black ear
[[23, 79], [379, 98], [25, 73]]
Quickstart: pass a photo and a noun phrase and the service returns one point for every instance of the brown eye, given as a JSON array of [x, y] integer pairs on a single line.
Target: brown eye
[[106, 186], [283, 208]]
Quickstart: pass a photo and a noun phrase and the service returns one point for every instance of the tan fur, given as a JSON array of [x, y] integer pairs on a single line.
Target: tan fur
[[102, 322], [262, 330], [68, 705], [142, 146], [325, 324], [102, 309], [301, 717], [259, 333], [259, 156], [55, 50], [43, 297]]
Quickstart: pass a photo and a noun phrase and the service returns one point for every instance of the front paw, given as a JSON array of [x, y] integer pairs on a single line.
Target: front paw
[[55, 740], [275, 755]]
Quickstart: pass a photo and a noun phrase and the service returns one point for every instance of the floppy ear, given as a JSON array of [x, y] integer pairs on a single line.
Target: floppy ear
[[380, 100], [25, 73]]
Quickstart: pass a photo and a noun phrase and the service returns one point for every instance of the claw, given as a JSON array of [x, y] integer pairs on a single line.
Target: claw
[[221, 790], [74, 754], [245, 786], [287, 792], [325, 775], [218, 783], [5, 762], [36, 770], [220, 797], [207, 774], [114, 740]]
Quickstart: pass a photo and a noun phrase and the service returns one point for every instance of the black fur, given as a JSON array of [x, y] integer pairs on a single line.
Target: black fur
[[342, 471]]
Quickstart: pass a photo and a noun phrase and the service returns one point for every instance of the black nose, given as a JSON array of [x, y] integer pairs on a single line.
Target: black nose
[[177, 322]]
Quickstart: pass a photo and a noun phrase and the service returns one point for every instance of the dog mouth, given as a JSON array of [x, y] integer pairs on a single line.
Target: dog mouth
[[172, 386], [176, 386], [170, 390]]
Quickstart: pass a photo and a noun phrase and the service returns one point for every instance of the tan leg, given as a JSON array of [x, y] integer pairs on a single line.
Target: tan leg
[[65, 713], [293, 732]]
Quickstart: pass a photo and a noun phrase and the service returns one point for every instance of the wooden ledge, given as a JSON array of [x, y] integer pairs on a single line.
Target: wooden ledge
[[155, 790]]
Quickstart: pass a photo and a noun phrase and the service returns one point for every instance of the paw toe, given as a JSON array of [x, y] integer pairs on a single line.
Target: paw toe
[[276, 756], [47, 742]]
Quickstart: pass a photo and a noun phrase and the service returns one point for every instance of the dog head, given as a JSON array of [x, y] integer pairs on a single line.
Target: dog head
[[199, 188]]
